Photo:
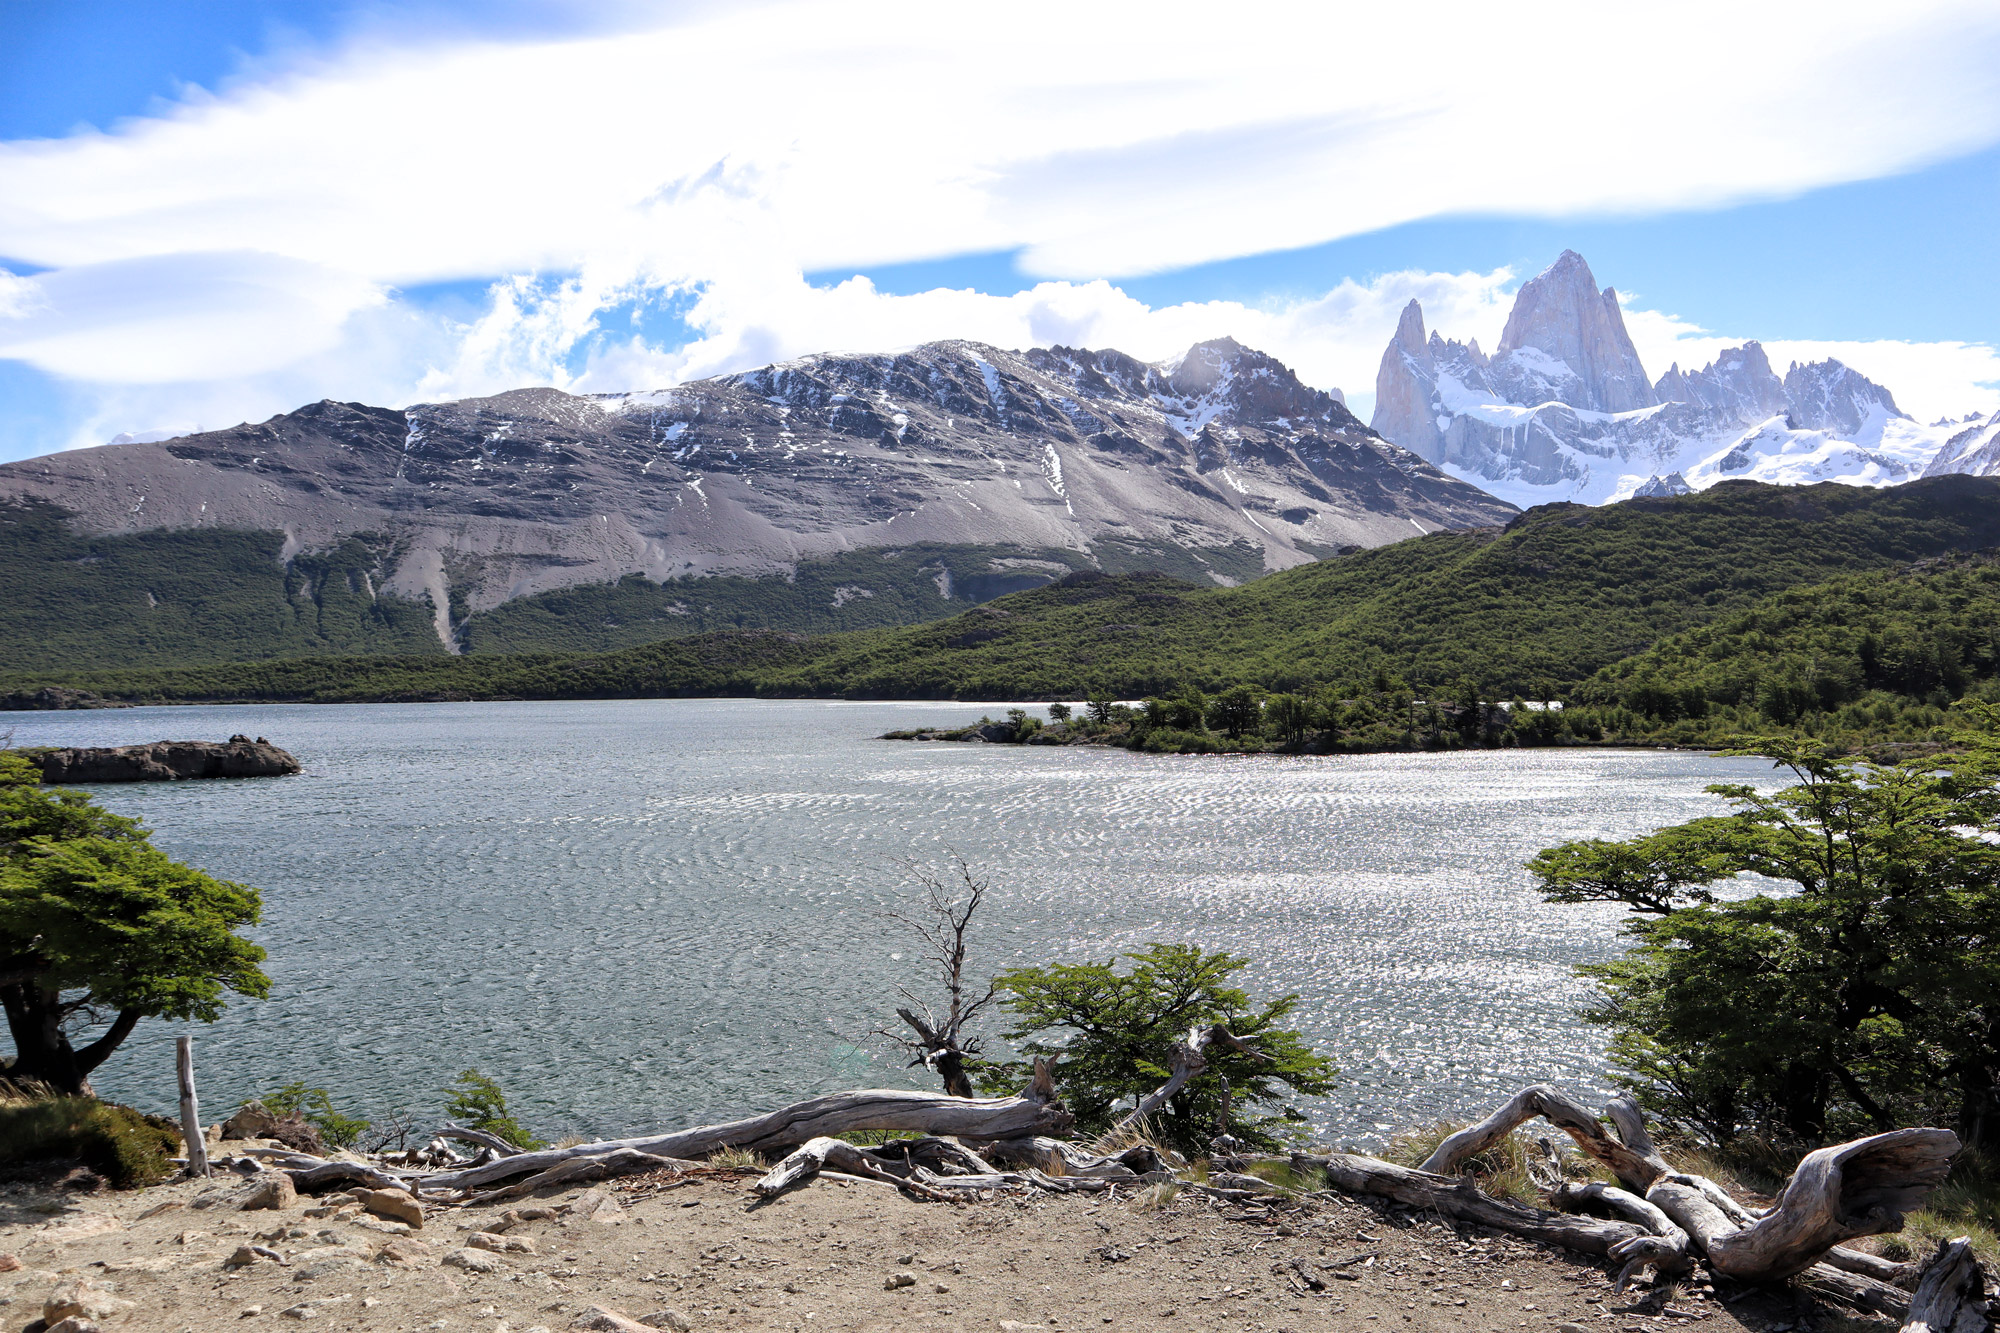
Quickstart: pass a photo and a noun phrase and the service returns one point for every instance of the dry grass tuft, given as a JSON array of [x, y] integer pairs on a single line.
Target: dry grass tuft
[[737, 1159], [1502, 1170]]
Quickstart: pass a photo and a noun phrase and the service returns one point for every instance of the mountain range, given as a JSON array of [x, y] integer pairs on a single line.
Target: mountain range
[[1563, 409], [825, 493]]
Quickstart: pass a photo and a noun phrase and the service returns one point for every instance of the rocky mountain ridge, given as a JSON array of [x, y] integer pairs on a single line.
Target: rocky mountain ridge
[[1563, 410], [1045, 460]]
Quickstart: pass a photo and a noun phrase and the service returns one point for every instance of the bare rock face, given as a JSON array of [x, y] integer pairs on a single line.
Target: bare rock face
[[1973, 449], [1825, 395], [168, 761], [489, 499], [1563, 411], [1565, 340]]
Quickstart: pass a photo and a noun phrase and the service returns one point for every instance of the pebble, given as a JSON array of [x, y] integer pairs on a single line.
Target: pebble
[[899, 1280], [249, 1311]]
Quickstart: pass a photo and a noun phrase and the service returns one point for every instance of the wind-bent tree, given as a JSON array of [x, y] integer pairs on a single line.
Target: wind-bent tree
[[97, 924], [1823, 962], [943, 922], [1113, 1036]]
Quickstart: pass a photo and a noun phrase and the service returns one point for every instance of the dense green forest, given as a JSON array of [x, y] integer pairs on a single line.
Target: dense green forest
[[168, 597], [1672, 619]]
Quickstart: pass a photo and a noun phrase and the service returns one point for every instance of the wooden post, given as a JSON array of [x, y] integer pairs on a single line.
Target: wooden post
[[197, 1142]]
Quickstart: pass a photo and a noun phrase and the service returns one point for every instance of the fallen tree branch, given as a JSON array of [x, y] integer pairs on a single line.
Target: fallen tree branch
[[1035, 1111], [580, 1170], [1862, 1188], [1636, 1165], [499, 1145], [823, 1154], [1951, 1294], [1666, 1249], [313, 1179], [1460, 1200]]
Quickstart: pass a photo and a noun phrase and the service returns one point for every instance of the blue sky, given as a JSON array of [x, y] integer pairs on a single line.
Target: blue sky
[[223, 209]]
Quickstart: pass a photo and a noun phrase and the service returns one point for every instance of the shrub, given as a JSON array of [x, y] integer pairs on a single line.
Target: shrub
[[315, 1107], [122, 1145], [477, 1102]]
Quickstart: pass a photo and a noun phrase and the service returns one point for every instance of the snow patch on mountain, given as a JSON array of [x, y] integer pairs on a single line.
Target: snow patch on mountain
[[1563, 410]]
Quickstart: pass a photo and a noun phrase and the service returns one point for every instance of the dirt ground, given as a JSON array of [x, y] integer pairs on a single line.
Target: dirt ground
[[820, 1259]]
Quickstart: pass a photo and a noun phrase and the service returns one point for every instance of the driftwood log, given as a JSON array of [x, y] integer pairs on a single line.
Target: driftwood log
[[1034, 1111], [1460, 1200], [1951, 1294], [1854, 1189]]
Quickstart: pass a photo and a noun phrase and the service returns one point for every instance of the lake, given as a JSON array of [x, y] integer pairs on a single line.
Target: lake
[[646, 913]]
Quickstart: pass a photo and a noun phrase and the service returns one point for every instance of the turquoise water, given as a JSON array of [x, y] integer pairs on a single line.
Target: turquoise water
[[642, 913]]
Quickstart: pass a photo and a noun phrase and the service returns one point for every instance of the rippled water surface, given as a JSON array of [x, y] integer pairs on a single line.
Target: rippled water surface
[[641, 913]]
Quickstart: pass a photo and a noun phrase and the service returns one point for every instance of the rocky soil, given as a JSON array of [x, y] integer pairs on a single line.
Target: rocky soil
[[697, 1252]]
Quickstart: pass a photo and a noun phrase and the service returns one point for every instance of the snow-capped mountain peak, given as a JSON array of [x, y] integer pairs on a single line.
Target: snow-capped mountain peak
[[1564, 411]]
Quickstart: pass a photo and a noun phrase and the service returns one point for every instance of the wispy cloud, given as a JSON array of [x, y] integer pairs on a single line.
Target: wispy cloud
[[257, 238]]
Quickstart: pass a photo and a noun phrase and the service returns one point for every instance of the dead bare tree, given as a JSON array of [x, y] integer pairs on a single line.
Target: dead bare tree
[[941, 923]]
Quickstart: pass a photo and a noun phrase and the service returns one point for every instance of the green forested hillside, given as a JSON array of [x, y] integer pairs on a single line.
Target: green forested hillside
[[163, 598], [1878, 656], [1535, 610]]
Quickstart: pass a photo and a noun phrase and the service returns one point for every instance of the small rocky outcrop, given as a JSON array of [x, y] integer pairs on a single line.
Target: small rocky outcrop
[[168, 761]]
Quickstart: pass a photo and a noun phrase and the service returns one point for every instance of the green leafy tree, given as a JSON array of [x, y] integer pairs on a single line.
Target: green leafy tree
[[1236, 710], [1113, 1034], [1289, 716], [1862, 996], [477, 1102], [1100, 705], [97, 924], [1184, 711], [1059, 712]]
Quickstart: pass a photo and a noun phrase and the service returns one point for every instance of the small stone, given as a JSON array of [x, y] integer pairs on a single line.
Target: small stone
[[896, 1281], [275, 1190], [76, 1323], [299, 1312], [476, 1261], [250, 1312], [9, 1264], [486, 1240], [1016, 1326], [1571, 1328], [940, 1288], [245, 1256], [369, 1302], [395, 1205], [1507, 1284], [907, 1259], [671, 1320], [81, 1298], [78, 1226], [407, 1250], [609, 1321]]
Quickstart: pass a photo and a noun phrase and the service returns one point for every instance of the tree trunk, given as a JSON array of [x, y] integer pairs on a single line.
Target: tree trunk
[[1951, 1294], [1034, 1111], [41, 1048]]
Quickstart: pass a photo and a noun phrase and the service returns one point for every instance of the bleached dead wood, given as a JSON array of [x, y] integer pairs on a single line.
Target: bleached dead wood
[[1035, 1111], [1862, 1188], [328, 1175], [824, 1154], [1951, 1294], [1863, 1293], [1460, 1200], [1059, 1157], [581, 1170], [191, 1130], [499, 1146], [1638, 1167], [1189, 1058], [1666, 1249]]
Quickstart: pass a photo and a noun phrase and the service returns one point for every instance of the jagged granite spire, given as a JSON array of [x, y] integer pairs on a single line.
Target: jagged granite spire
[[1560, 314]]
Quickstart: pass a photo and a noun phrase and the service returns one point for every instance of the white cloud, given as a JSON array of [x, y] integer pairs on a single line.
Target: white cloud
[[254, 237]]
